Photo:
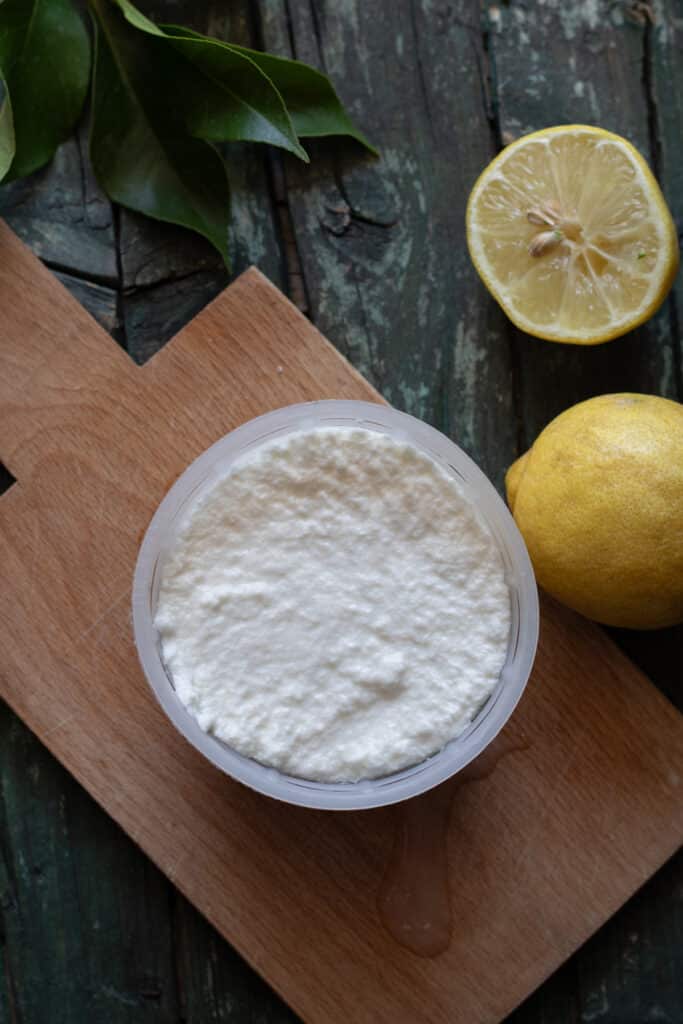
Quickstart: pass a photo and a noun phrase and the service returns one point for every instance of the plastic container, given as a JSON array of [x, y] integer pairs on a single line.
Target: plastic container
[[212, 465]]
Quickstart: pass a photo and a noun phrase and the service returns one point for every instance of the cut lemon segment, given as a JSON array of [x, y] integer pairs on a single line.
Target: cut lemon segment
[[570, 233]]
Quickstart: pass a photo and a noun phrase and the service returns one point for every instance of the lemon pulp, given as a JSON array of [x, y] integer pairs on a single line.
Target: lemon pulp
[[570, 232]]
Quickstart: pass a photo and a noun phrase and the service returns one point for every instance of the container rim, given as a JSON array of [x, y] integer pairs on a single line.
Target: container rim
[[458, 753]]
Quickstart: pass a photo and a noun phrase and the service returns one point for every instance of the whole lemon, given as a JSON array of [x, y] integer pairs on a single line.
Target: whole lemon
[[598, 499]]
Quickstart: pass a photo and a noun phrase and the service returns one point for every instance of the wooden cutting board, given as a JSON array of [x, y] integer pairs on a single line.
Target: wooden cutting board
[[577, 804]]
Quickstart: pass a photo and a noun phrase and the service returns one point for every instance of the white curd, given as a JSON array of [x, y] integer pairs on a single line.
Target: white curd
[[334, 606]]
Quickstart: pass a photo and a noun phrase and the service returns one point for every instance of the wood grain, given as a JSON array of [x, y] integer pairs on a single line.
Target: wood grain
[[382, 241], [157, 278], [105, 890], [59, 928], [664, 63], [540, 853], [169, 274], [581, 63], [61, 212]]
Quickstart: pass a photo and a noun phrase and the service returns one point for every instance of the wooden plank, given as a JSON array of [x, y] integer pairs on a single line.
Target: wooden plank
[[100, 301], [68, 930], [46, 210], [664, 653], [381, 242], [168, 276], [216, 985], [629, 971], [584, 63], [659, 654], [578, 799], [568, 63], [86, 928], [153, 315], [663, 28], [540, 52], [64, 216]]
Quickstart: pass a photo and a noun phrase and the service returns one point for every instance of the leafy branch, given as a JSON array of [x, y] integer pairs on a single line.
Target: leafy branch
[[162, 96]]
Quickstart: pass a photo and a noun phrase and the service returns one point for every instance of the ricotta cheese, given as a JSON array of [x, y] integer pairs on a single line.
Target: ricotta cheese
[[334, 606]]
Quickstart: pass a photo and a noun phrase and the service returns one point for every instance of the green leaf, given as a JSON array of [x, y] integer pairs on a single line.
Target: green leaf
[[139, 150], [310, 97], [222, 94], [138, 19], [45, 62], [7, 146], [308, 94]]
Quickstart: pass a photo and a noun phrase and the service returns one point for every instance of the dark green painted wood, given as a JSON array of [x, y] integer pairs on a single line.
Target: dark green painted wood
[[381, 242], [216, 986], [629, 973], [585, 63], [154, 315], [90, 931], [100, 301], [664, 82], [124, 947], [63, 215], [660, 655], [85, 916], [169, 274], [591, 63]]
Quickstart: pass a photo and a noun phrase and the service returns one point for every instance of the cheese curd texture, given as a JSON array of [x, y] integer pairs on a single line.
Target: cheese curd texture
[[334, 606]]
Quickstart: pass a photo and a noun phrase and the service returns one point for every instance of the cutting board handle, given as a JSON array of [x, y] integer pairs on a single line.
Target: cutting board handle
[[52, 354]]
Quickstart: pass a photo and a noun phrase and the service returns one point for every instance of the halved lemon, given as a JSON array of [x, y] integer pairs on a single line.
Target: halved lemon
[[570, 233]]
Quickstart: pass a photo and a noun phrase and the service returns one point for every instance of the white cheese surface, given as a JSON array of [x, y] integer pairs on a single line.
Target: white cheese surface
[[334, 606]]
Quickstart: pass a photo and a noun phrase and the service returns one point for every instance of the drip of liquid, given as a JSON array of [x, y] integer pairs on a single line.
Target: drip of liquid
[[414, 900]]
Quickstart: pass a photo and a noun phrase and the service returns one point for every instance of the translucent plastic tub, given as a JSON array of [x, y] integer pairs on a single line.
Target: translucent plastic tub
[[213, 464]]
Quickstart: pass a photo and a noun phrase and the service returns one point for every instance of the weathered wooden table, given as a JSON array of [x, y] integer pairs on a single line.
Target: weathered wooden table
[[375, 253]]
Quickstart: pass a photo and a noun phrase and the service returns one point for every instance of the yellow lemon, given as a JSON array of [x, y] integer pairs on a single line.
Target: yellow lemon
[[598, 499], [570, 233]]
